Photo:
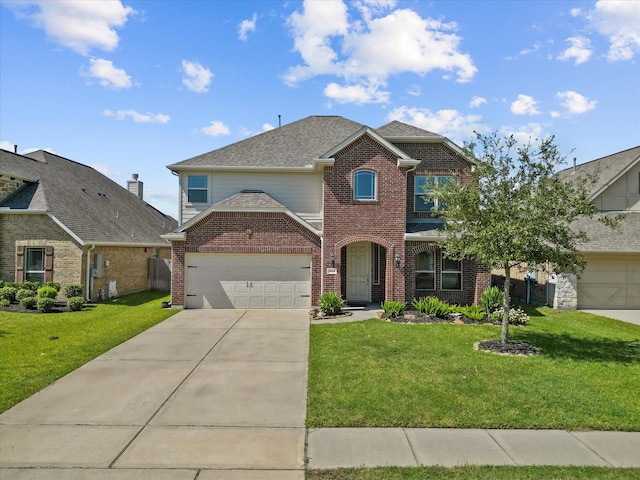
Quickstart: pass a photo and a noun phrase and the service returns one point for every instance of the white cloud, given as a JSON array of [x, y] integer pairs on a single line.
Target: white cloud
[[358, 94], [580, 50], [525, 133], [107, 74], [247, 26], [477, 102], [267, 126], [525, 105], [137, 117], [215, 129], [415, 91], [365, 52], [197, 78], [575, 12], [103, 169], [618, 20], [450, 123], [574, 103], [4, 145], [78, 25]]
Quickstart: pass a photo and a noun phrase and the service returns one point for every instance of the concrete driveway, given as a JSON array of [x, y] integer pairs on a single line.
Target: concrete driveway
[[629, 316], [212, 394]]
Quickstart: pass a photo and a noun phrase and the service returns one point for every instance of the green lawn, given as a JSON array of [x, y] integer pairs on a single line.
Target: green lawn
[[380, 374], [29, 360], [477, 473]]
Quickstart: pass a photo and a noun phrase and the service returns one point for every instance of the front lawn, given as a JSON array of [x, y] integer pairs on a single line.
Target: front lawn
[[381, 374], [36, 349]]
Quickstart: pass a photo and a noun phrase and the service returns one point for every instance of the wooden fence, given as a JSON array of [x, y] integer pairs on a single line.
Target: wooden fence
[[159, 274]]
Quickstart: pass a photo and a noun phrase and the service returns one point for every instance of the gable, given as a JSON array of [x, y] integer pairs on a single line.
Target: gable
[[622, 194]]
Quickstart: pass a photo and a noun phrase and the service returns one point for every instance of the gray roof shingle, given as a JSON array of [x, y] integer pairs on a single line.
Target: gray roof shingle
[[90, 205], [397, 129], [605, 239], [608, 169], [247, 199]]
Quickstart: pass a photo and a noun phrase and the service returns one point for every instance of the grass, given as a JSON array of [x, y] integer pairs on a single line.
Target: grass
[[476, 473], [29, 360], [380, 374]]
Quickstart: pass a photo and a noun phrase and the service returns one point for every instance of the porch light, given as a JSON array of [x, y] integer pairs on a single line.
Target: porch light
[[396, 259], [332, 259]]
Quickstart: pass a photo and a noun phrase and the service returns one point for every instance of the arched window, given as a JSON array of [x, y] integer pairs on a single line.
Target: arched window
[[364, 185]]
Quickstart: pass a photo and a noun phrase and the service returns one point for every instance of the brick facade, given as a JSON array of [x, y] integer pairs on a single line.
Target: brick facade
[[244, 232], [8, 185]]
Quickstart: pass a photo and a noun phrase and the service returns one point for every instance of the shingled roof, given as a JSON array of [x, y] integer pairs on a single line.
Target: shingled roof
[[607, 169], [85, 202]]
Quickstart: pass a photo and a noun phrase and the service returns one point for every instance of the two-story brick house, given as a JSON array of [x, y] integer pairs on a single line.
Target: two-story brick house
[[321, 204]]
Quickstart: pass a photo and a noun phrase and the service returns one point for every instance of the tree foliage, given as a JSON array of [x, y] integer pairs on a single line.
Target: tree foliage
[[515, 210]]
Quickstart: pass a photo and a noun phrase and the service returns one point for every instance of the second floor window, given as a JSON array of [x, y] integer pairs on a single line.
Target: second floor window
[[422, 186], [197, 189], [364, 185]]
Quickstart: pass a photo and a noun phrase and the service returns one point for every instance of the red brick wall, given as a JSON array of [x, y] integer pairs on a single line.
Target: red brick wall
[[381, 221], [240, 232]]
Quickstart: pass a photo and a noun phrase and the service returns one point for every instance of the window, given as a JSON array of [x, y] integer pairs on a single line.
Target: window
[[419, 192], [364, 185], [197, 189], [451, 274], [426, 271], [375, 263], [34, 264]]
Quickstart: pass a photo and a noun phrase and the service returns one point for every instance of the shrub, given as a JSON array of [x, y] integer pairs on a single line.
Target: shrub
[[4, 302], [331, 303], [1, 283], [73, 290], [45, 304], [23, 293], [393, 308], [33, 286], [473, 312], [517, 316], [492, 299], [55, 285], [432, 306], [47, 292], [75, 303], [28, 302], [8, 293]]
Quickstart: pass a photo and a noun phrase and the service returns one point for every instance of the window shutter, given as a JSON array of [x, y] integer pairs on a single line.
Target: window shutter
[[48, 264], [20, 263]]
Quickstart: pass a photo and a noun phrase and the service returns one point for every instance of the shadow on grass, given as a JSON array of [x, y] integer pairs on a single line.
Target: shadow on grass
[[136, 299], [563, 346]]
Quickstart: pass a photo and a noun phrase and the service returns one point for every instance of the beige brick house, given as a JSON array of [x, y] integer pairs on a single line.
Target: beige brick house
[[65, 222], [321, 204]]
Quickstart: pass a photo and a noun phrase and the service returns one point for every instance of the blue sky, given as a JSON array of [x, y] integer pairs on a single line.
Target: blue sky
[[132, 86]]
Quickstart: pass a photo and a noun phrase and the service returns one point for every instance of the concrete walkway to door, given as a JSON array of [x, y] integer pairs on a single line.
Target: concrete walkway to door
[[207, 394]]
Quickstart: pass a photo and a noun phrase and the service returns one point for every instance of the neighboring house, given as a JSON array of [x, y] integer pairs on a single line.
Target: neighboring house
[[65, 222], [611, 278], [321, 204]]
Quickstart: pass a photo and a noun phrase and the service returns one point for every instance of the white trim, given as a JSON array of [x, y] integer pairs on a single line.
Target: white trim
[[375, 136], [611, 181], [67, 230], [433, 139], [421, 237], [230, 168]]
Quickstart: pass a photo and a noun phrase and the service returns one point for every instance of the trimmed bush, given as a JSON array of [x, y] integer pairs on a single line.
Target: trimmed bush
[[473, 312], [8, 293], [55, 285], [73, 290], [23, 293], [45, 304], [47, 292], [29, 302], [331, 303], [432, 306], [75, 303], [4, 302], [33, 286], [492, 299], [393, 308], [517, 316]]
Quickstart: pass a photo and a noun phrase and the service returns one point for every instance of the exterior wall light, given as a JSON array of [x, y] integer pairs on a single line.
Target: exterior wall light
[[396, 259], [332, 259]]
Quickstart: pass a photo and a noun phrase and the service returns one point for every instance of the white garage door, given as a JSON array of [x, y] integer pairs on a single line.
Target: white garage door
[[248, 281], [610, 281]]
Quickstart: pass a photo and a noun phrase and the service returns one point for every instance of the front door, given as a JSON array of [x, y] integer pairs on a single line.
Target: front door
[[359, 272]]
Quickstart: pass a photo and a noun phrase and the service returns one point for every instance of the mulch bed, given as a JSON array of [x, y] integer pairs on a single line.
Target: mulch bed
[[18, 308], [508, 348], [413, 317], [315, 314]]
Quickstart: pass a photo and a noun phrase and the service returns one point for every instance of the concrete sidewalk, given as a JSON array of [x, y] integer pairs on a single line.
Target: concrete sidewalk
[[412, 447], [212, 394]]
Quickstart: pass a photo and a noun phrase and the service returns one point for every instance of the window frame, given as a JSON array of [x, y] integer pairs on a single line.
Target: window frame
[[375, 264], [419, 192], [30, 269], [374, 186], [448, 271], [432, 253], [197, 189]]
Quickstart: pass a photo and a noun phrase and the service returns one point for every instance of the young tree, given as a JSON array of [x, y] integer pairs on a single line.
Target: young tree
[[515, 210]]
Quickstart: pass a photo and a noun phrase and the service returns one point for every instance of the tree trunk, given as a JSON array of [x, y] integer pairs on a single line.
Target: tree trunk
[[507, 300]]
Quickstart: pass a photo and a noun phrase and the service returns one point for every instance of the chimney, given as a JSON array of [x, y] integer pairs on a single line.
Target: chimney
[[135, 186], [15, 149], [574, 165]]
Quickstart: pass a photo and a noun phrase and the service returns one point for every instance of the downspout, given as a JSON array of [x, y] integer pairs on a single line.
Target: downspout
[[321, 266], [88, 274]]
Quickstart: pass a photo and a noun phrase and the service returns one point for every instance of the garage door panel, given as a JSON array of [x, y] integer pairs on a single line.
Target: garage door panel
[[248, 281], [610, 282]]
